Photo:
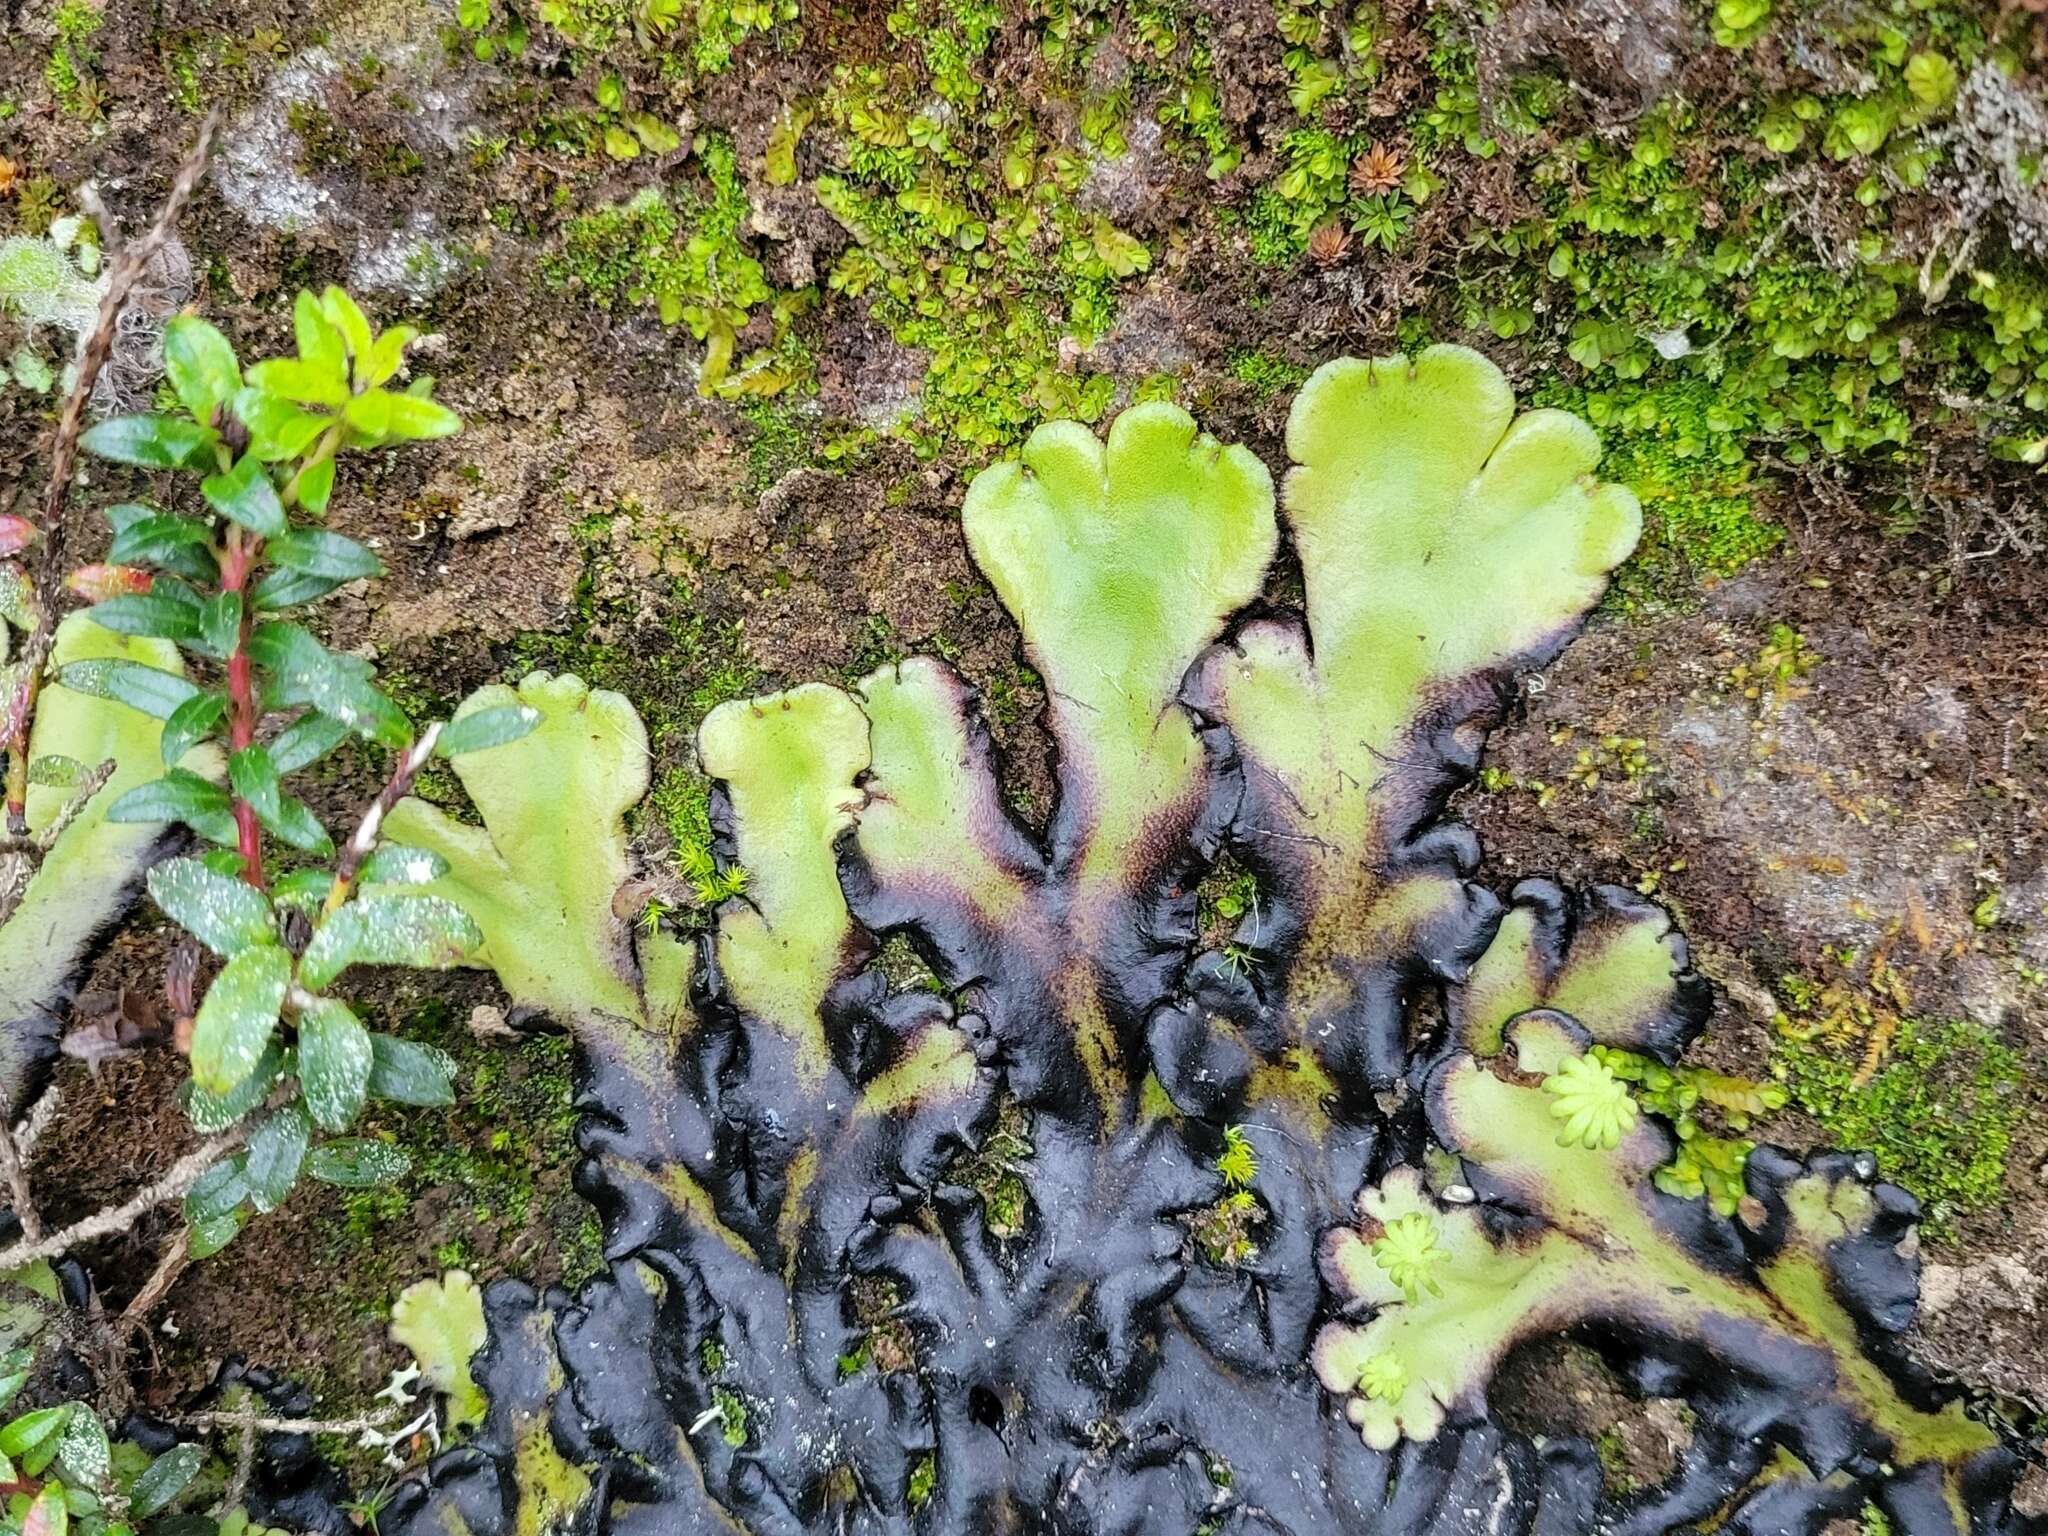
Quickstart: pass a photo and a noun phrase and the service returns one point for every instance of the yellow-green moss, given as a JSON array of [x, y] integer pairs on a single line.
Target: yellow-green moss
[[1939, 1114]]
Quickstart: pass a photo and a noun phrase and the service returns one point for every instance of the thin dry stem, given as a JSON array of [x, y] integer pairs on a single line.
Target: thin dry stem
[[245, 1464], [50, 559], [176, 1256], [173, 1185], [248, 1418], [14, 1168], [30, 1131]]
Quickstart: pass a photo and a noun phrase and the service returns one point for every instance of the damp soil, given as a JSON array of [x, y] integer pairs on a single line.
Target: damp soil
[[599, 515]]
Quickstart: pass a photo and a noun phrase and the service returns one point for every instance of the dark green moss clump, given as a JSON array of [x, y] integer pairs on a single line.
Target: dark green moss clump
[[675, 660], [500, 1155]]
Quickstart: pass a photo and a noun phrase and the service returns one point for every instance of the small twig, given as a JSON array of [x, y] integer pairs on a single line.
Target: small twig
[[183, 1175], [248, 1418], [245, 1465], [90, 203], [30, 1131], [363, 842], [370, 1429], [127, 269], [14, 1168], [70, 811], [176, 1255]]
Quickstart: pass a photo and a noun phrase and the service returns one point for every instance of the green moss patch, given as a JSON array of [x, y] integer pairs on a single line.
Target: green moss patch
[[1939, 1115]]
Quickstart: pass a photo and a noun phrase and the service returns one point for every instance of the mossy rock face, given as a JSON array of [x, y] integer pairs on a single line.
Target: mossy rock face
[[1267, 1232]]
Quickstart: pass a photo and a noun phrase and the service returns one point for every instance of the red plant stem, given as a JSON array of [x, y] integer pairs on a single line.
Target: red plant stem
[[242, 711], [237, 561]]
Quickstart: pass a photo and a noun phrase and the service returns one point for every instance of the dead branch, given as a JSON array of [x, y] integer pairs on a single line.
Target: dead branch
[[14, 1168], [19, 712], [248, 1418], [173, 1185], [176, 1255]]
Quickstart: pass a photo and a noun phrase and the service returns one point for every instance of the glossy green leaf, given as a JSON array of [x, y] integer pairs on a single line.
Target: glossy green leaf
[[357, 1163], [18, 605], [295, 823], [156, 615], [220, 624], [480, 729], [424, 932], [416, 418], [281, 589], [164, 1479], [316, 485], [172, 543], [278, 429], [406, 1072], [276, 1153], [346, 316], [305, 889], [191, 723], [385, 357], [148, 441], [14, 1374], [225, 915], [33, 1429], [254, 777], [304, 671], [319, 342], [200, 365], [211, 1112], [155, 692], [295, 379], [179, 796], [84, 1449], [306, 740], [399, 864], [317, 552], [238, 1016], [222, 861], [380, 414], [209, 1237], [217, 1191], [245, 495], [334, 1062]]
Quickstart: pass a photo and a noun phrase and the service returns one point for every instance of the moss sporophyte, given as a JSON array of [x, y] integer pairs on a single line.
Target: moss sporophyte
[[1069, 1210]]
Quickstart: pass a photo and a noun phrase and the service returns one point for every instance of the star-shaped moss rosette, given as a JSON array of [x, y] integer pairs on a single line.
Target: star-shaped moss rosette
[[1035, 1246], [1556, 1233], [1592, 1102]]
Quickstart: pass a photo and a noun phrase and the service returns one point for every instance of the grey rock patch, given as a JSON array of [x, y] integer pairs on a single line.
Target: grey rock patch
[[414, 262]]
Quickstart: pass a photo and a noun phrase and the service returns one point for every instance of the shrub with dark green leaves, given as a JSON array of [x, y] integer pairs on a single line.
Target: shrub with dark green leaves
[[281, 1066], [64, 1475]]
